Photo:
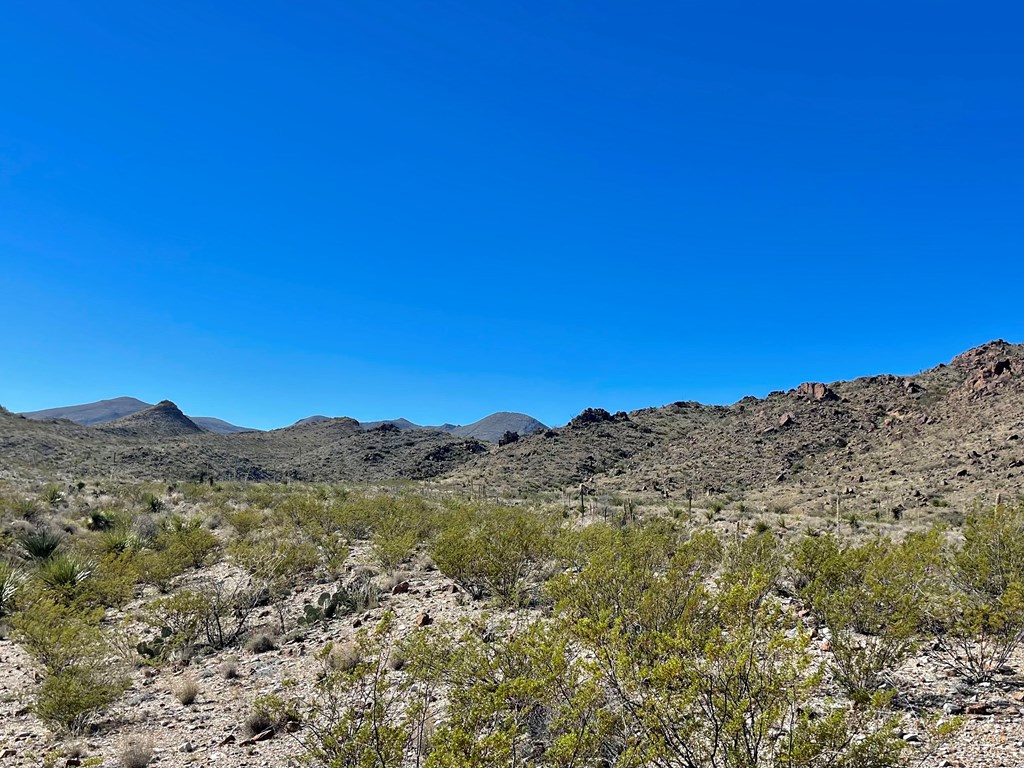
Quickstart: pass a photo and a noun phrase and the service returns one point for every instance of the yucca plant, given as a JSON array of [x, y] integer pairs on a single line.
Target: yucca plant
[[11, 579], [102, 520], [63, 572], [40, 545], [121, 540]]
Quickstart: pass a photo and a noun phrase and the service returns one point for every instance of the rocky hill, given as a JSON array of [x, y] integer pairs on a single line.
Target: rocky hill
[[882, 442], [164, 419], [879, 445]]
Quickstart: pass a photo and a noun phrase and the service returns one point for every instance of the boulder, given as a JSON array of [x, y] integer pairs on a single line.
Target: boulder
[[816, 391]]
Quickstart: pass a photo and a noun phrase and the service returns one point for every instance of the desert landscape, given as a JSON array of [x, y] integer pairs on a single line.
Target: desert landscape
[[832, 575]]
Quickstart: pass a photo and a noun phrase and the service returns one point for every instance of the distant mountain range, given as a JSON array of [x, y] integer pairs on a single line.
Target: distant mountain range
[[103, 411], [489, 429], [117, 412]]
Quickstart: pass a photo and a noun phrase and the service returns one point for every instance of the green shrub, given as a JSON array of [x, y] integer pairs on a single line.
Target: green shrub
[[79, 678], [977, 613], [492, 551], [71, 698]]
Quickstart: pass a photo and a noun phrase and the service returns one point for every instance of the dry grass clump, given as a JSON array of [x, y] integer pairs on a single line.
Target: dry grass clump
[[260, 643], [343, 658], [137, 752], [229, 669], [187, 691]]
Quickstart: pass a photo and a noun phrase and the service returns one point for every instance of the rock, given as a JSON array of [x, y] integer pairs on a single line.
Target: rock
[[423, 620], [977, 708], [186, 747], [400, 588], [7, 753], [787, 419], [816, 391]]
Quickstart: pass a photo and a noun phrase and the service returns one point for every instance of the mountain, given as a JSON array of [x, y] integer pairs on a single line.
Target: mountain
[[92, 413], [161, 420], [221, 427], [488, 429], [104, 411], [311, 420], [927, 445], [491, 428]]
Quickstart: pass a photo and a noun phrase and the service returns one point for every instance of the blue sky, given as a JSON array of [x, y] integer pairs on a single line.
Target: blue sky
[[436, 210]]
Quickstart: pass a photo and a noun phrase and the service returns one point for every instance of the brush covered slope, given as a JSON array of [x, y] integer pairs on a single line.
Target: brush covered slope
[[161, 445], [881, 444], [954, 431]]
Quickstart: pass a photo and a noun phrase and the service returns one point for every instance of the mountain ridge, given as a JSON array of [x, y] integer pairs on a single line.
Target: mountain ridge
[[879, 444]]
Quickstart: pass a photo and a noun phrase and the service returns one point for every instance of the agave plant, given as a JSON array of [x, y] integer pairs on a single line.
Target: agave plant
[[64, 572], [40, 544], [11, 579]]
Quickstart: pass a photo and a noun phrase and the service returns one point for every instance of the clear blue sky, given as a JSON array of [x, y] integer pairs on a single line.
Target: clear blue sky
[[435, 210]]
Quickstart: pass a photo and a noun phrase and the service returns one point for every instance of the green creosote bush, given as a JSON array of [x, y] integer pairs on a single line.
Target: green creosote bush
[[976, 615], [869, 597], [80, 679], [492, 551]]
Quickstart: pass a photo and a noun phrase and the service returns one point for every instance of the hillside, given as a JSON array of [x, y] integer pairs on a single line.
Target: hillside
[[92, 413], [103, 411], [164, 419], [880, 442]]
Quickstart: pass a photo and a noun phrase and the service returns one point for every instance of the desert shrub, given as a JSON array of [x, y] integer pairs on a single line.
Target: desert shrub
[[188, 540], [357, 717], [187, 691], [79, 679], [63, 573], [179, 545], [181, 619], [40, 544], [11, 580], [136, 752], [317, 523], [398, 526], [977, 612], [71, 697], [702, 681], [245, 521], [217, 614], [492, 551], [624, 573], [523, 699], [870, 597], [758, 559]]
